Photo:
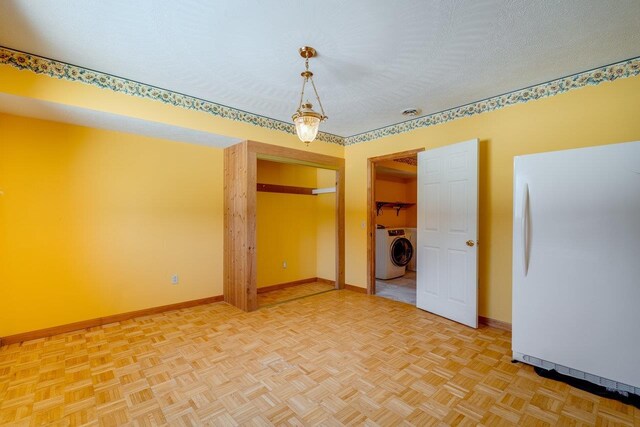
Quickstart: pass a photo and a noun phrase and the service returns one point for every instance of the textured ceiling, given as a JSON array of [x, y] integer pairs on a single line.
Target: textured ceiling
[[375, 58], [29, 107]]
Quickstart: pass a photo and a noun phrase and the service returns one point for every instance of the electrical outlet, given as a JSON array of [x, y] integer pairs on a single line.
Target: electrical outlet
[[174, 279], [284, 264]]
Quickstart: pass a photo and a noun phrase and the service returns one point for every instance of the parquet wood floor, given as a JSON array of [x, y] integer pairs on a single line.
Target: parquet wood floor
[[338, 358], [292, 292]]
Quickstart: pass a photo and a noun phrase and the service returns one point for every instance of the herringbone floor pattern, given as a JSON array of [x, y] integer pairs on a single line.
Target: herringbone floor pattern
[[338, 358]]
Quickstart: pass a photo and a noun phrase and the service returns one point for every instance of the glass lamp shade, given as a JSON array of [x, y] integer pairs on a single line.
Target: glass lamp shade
[[307, 128], [307, 123]]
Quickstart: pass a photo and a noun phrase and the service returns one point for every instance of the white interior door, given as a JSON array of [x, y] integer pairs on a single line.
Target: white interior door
[[447, 270]]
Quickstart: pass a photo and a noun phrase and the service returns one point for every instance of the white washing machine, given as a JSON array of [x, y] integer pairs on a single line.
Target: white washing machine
[[393, 253], [411, 234]]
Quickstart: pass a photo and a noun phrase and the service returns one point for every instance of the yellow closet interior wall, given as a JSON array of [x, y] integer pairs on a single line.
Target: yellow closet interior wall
[[294, 228], [286, 225], [95, 223], [326, 226], [594, 115]]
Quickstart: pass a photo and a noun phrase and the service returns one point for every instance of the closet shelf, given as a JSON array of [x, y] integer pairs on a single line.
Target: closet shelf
[[394, 205], [275, 188]]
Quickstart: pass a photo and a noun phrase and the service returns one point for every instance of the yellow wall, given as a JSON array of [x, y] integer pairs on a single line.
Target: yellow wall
[[94, 223], [194, 182], [595, 115]]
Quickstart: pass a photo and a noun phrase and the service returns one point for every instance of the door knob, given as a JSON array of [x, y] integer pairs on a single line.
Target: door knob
[[470, 243]]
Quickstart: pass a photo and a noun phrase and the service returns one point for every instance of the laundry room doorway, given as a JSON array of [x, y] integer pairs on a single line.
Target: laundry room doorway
[[392, 238], [445, 237]]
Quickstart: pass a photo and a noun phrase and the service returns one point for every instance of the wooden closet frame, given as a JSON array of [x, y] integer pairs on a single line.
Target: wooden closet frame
[[240, 189]]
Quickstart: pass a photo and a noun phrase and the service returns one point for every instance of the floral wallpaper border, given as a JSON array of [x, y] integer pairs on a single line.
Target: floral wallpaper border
[[628, 68], [61, 70]]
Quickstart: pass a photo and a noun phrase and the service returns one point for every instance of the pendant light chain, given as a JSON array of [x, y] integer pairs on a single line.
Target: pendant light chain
[[324, 116], [304, 82]]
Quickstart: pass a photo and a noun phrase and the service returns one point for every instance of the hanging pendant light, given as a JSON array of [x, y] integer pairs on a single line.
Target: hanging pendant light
[[306, 120]]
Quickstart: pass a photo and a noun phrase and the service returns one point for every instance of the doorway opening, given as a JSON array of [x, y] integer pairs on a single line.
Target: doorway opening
[[295, 231], [392, 237]]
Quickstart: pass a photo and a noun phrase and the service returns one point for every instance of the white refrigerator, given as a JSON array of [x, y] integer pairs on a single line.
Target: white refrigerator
[[576, 263]]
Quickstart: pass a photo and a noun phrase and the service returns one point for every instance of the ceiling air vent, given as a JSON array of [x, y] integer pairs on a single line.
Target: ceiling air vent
[[411, 112]]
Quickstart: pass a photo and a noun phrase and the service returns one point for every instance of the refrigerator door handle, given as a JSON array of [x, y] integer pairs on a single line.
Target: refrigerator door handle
[[525, 229]]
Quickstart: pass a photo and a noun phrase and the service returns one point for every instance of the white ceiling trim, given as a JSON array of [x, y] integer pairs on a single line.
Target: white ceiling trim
[[61, 70]]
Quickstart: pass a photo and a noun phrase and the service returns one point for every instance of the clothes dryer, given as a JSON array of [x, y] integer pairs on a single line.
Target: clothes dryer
[[393, 253]]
